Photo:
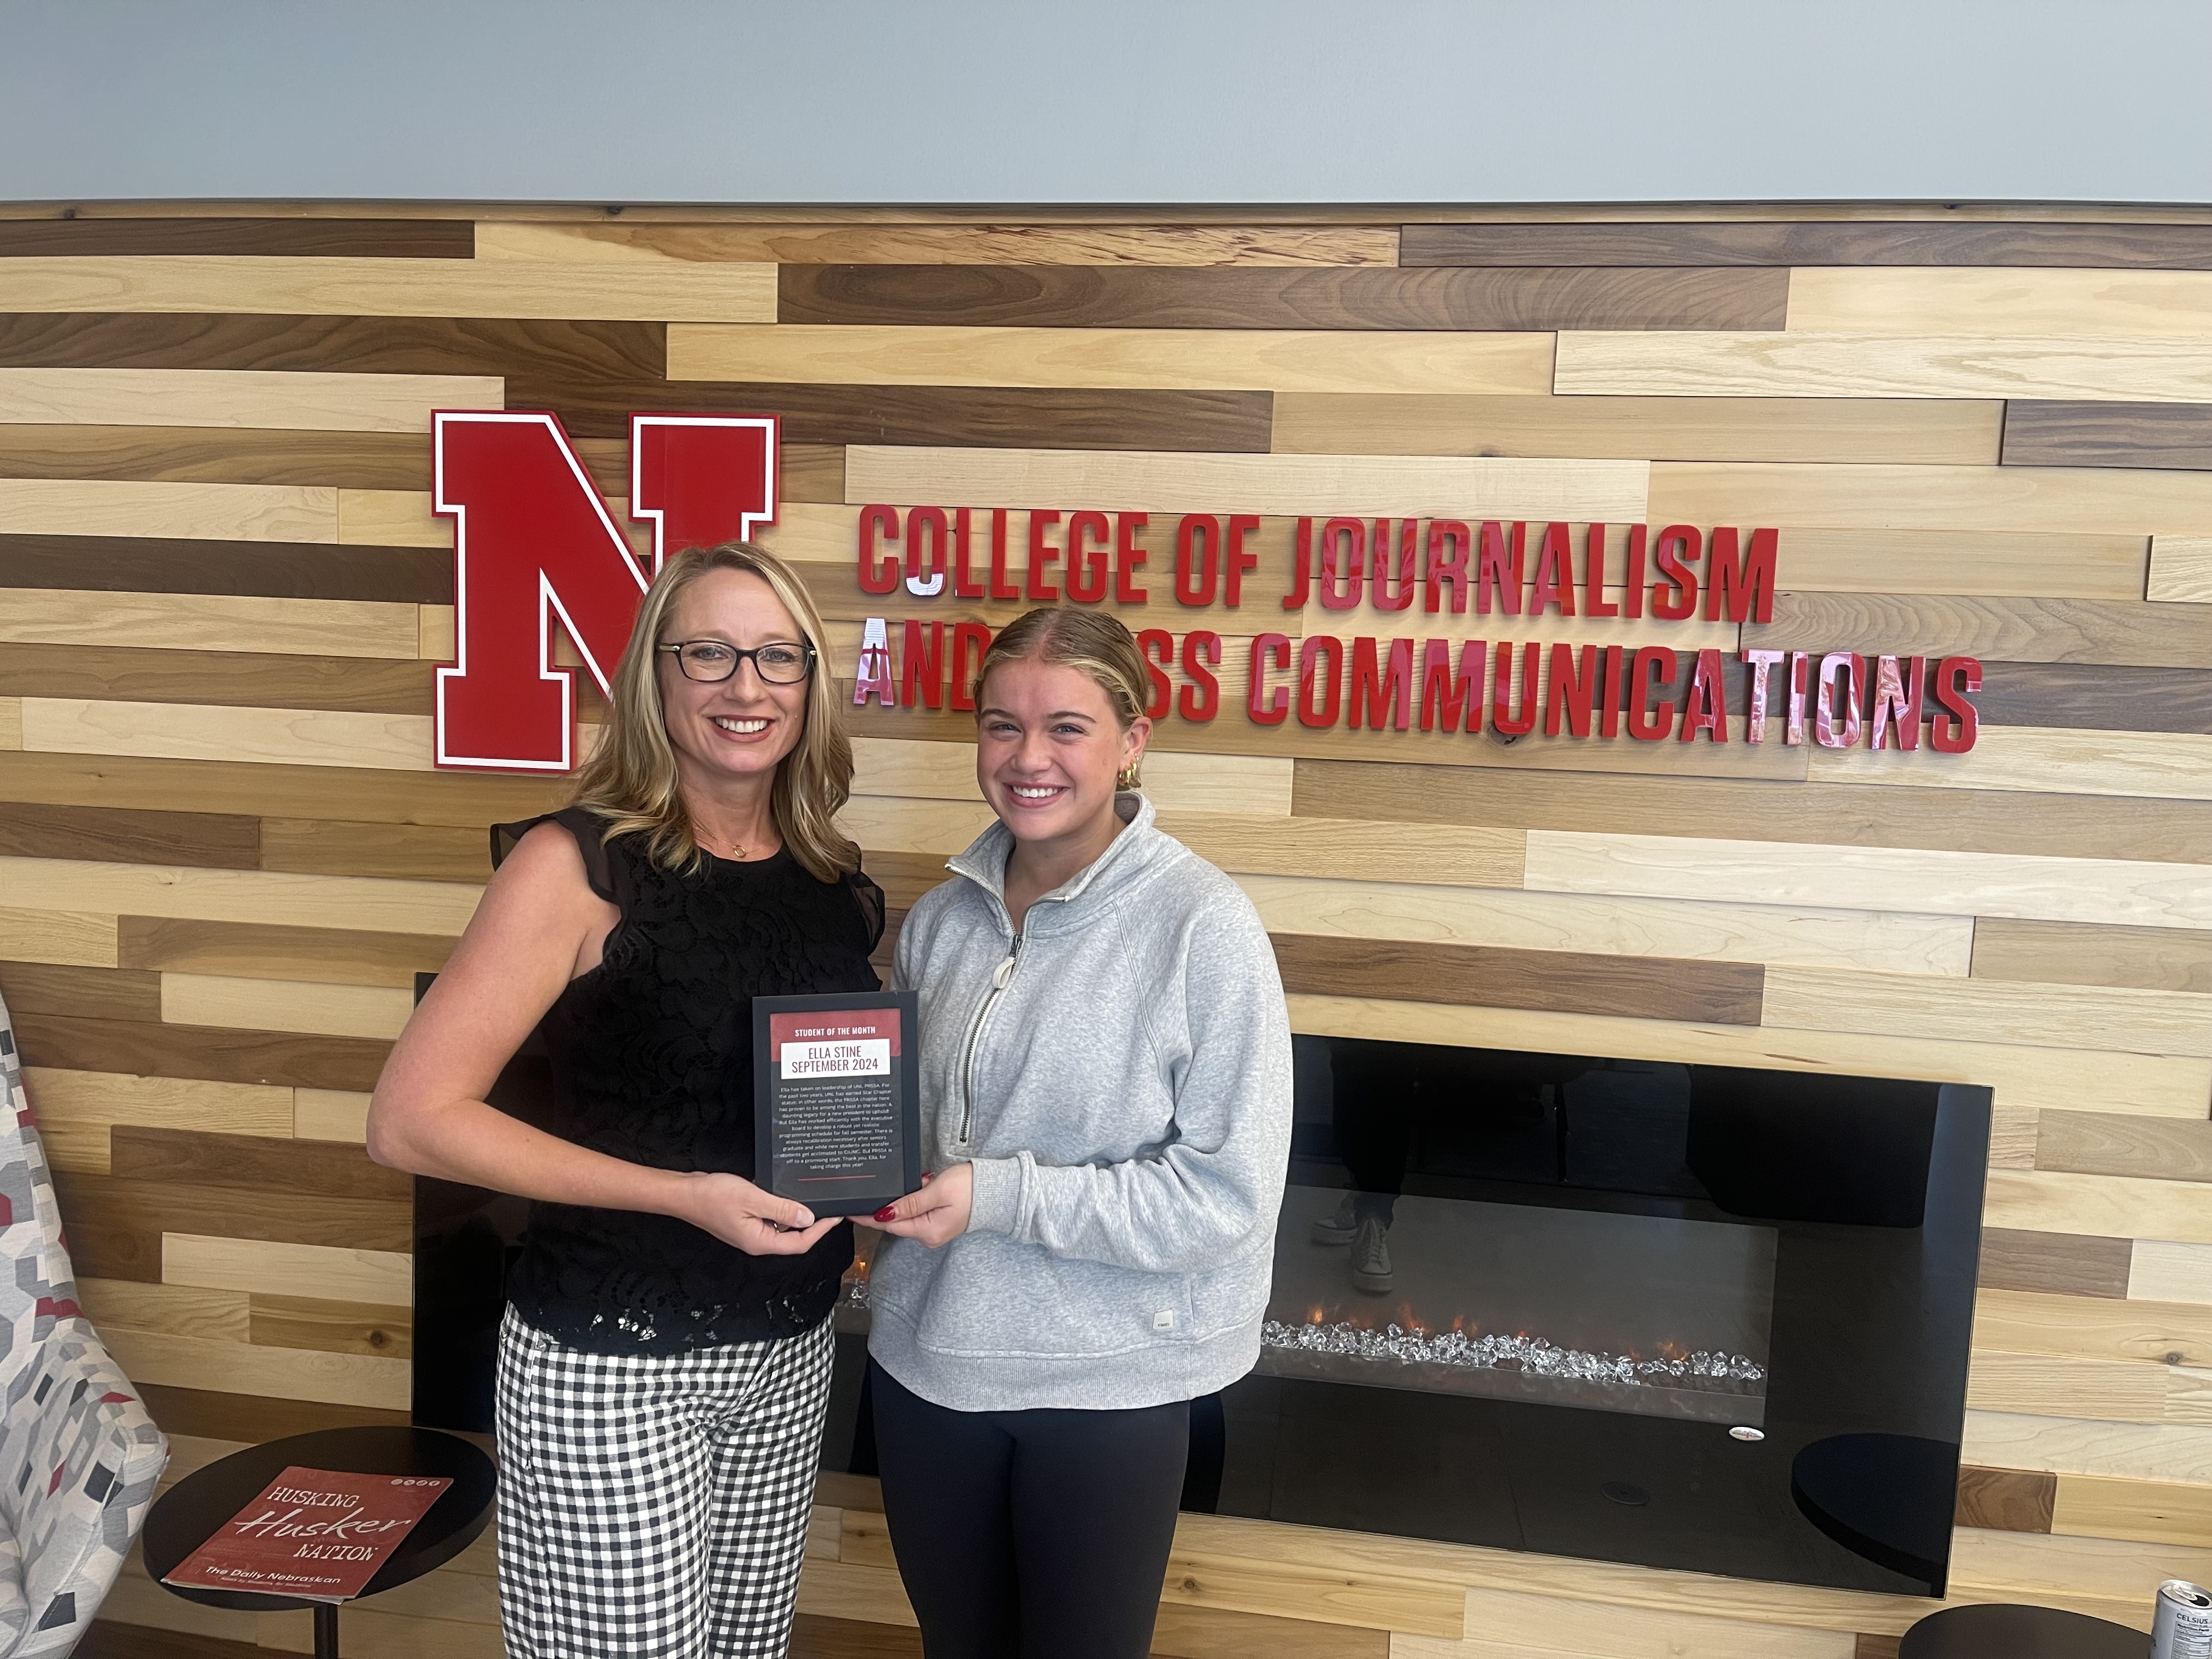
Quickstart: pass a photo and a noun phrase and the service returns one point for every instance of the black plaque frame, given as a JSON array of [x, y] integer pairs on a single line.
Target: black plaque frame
[[906, 1074]]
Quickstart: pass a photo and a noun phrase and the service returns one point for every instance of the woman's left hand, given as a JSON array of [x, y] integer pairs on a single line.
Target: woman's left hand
[[937, 1214]]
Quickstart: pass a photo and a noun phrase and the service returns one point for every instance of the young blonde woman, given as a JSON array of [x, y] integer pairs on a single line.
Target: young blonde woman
[[1106, 1098], [665, 1362]]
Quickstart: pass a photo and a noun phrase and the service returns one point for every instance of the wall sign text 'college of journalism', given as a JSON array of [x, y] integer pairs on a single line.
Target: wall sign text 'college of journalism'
[[533, 540]]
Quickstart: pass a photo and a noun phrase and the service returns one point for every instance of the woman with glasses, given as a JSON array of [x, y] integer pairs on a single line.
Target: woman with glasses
[[664, 1367]]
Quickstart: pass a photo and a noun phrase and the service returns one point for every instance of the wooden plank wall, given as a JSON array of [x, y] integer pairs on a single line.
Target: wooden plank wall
[[224, 854]]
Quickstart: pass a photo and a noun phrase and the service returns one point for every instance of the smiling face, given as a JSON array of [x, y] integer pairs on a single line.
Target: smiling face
[[743, 726], [1048, 749]]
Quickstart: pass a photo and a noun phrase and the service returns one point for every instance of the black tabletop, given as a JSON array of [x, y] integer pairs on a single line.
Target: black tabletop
[[1886, 1497], [188, 1514], [1999, 1632]]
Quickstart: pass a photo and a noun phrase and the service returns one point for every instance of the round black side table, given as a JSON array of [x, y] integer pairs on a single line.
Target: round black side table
[[2001, 1631], [188, 1514]]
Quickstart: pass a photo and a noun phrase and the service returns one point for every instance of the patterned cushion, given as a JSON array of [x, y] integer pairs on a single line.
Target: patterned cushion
[[79, 1455]]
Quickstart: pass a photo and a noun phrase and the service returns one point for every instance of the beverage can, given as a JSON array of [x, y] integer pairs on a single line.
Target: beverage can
[[2181, 1626]]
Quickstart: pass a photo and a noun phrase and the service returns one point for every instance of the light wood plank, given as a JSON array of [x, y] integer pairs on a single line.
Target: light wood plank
[[269, 1004], [884, 824], [1624, 927], [2026, 1562], [1350, 1595], [2012, 1138], [2071, 953], [1043, 244], [2092, 1327], [193, 512], [186, 1362], [77, 1109], [2076, 1388], [210, 622], [1991, 564], [2104, 1206], [371, 905], [11, 723], [1248, 785], [1917, 1004], [2155, 1512], [1551, 1623], [330, 1115], [392, 518], [258, 1266], [1258, 360], [2062, 1445], [1425, 853], [173, 1309], [1920, 432], [290, 399], [2047, 365], [2004, 300], [2180, 569], [2073, 501], [846, 1589], [184, 731], [393, 288], [2160, 1270], [2030, 1079], [1608, 492], [2021, 886], [68, 937]]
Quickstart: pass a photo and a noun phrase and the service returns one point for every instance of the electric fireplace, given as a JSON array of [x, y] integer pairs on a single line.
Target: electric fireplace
[[1703, 1317]]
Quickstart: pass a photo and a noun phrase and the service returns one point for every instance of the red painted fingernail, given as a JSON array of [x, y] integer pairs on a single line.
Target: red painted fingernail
[[889, 1212]]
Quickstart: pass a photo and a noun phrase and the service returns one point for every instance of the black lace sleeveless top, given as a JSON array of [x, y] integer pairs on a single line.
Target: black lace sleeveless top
[[651, 1057]]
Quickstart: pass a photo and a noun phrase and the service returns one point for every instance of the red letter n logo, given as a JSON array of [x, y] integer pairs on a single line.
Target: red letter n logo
[[532, 540]]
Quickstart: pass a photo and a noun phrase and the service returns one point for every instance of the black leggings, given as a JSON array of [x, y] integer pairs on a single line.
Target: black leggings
[[1033, 1534]]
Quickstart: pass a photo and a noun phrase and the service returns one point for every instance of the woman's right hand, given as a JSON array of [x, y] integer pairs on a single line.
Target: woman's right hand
[[739, 1213]]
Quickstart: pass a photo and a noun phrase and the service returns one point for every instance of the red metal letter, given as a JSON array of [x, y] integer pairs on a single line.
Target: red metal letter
[[1264, 707], [1377, 692], [880, 573], [1198, 559], [1956, 677], [1893, 700], [1241, 524], [1087, 569], [1310, 677], [1641, 724], [1830, 703], [1445, 694], [1158, 646], [1762, 665], [1449, 541], [1200, 700], [1128, 557], [1706, 709]]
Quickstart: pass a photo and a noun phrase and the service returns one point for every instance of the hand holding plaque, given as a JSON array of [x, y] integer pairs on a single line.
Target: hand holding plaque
[[836, 1100]]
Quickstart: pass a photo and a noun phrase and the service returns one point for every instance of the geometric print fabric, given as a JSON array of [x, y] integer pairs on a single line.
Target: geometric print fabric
[[79, 1454]]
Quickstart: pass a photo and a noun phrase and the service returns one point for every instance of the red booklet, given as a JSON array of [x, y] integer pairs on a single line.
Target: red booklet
[[315, 1533]]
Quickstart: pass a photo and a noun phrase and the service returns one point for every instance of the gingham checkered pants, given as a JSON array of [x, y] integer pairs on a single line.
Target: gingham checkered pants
[[655, 1505]]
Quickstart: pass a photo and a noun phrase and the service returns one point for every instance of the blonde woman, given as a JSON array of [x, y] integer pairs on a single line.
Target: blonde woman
[[1106, 1100], [664, 1367]]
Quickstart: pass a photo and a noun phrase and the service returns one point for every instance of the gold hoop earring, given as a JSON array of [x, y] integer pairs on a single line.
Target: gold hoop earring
[[1127, 778]]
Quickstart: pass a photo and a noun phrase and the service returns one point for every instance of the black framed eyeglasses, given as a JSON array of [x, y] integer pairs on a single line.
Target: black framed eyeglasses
[[779, 662]]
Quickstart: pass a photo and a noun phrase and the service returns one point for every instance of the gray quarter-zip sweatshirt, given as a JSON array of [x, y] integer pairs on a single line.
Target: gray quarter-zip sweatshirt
[[1119, 1075]]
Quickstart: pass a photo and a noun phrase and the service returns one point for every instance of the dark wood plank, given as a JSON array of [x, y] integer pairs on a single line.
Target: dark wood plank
[[408, 851], [2095, 696], [2110, 1143], [148, 1048], [201, 841], [272, 1214], [817, 1635], [1827, 814], [253, 950], [45, 988], [286, 238], [104, 1246], [208, 1415], [330, 1168], [1650, 987], [240, 679], [1357, 297], [2003, 630], [471, 801], [1190, 1633], [185, 454], [1821, 242], [106, 1640], [2175, 436], [1036, 418], [1867, 1646], [380, 345], [292, 570], [2005, 1500], [300, 1322], [2071, 1264]]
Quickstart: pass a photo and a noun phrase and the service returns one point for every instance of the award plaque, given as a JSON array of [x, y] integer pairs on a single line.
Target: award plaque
[[836, 1103]]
